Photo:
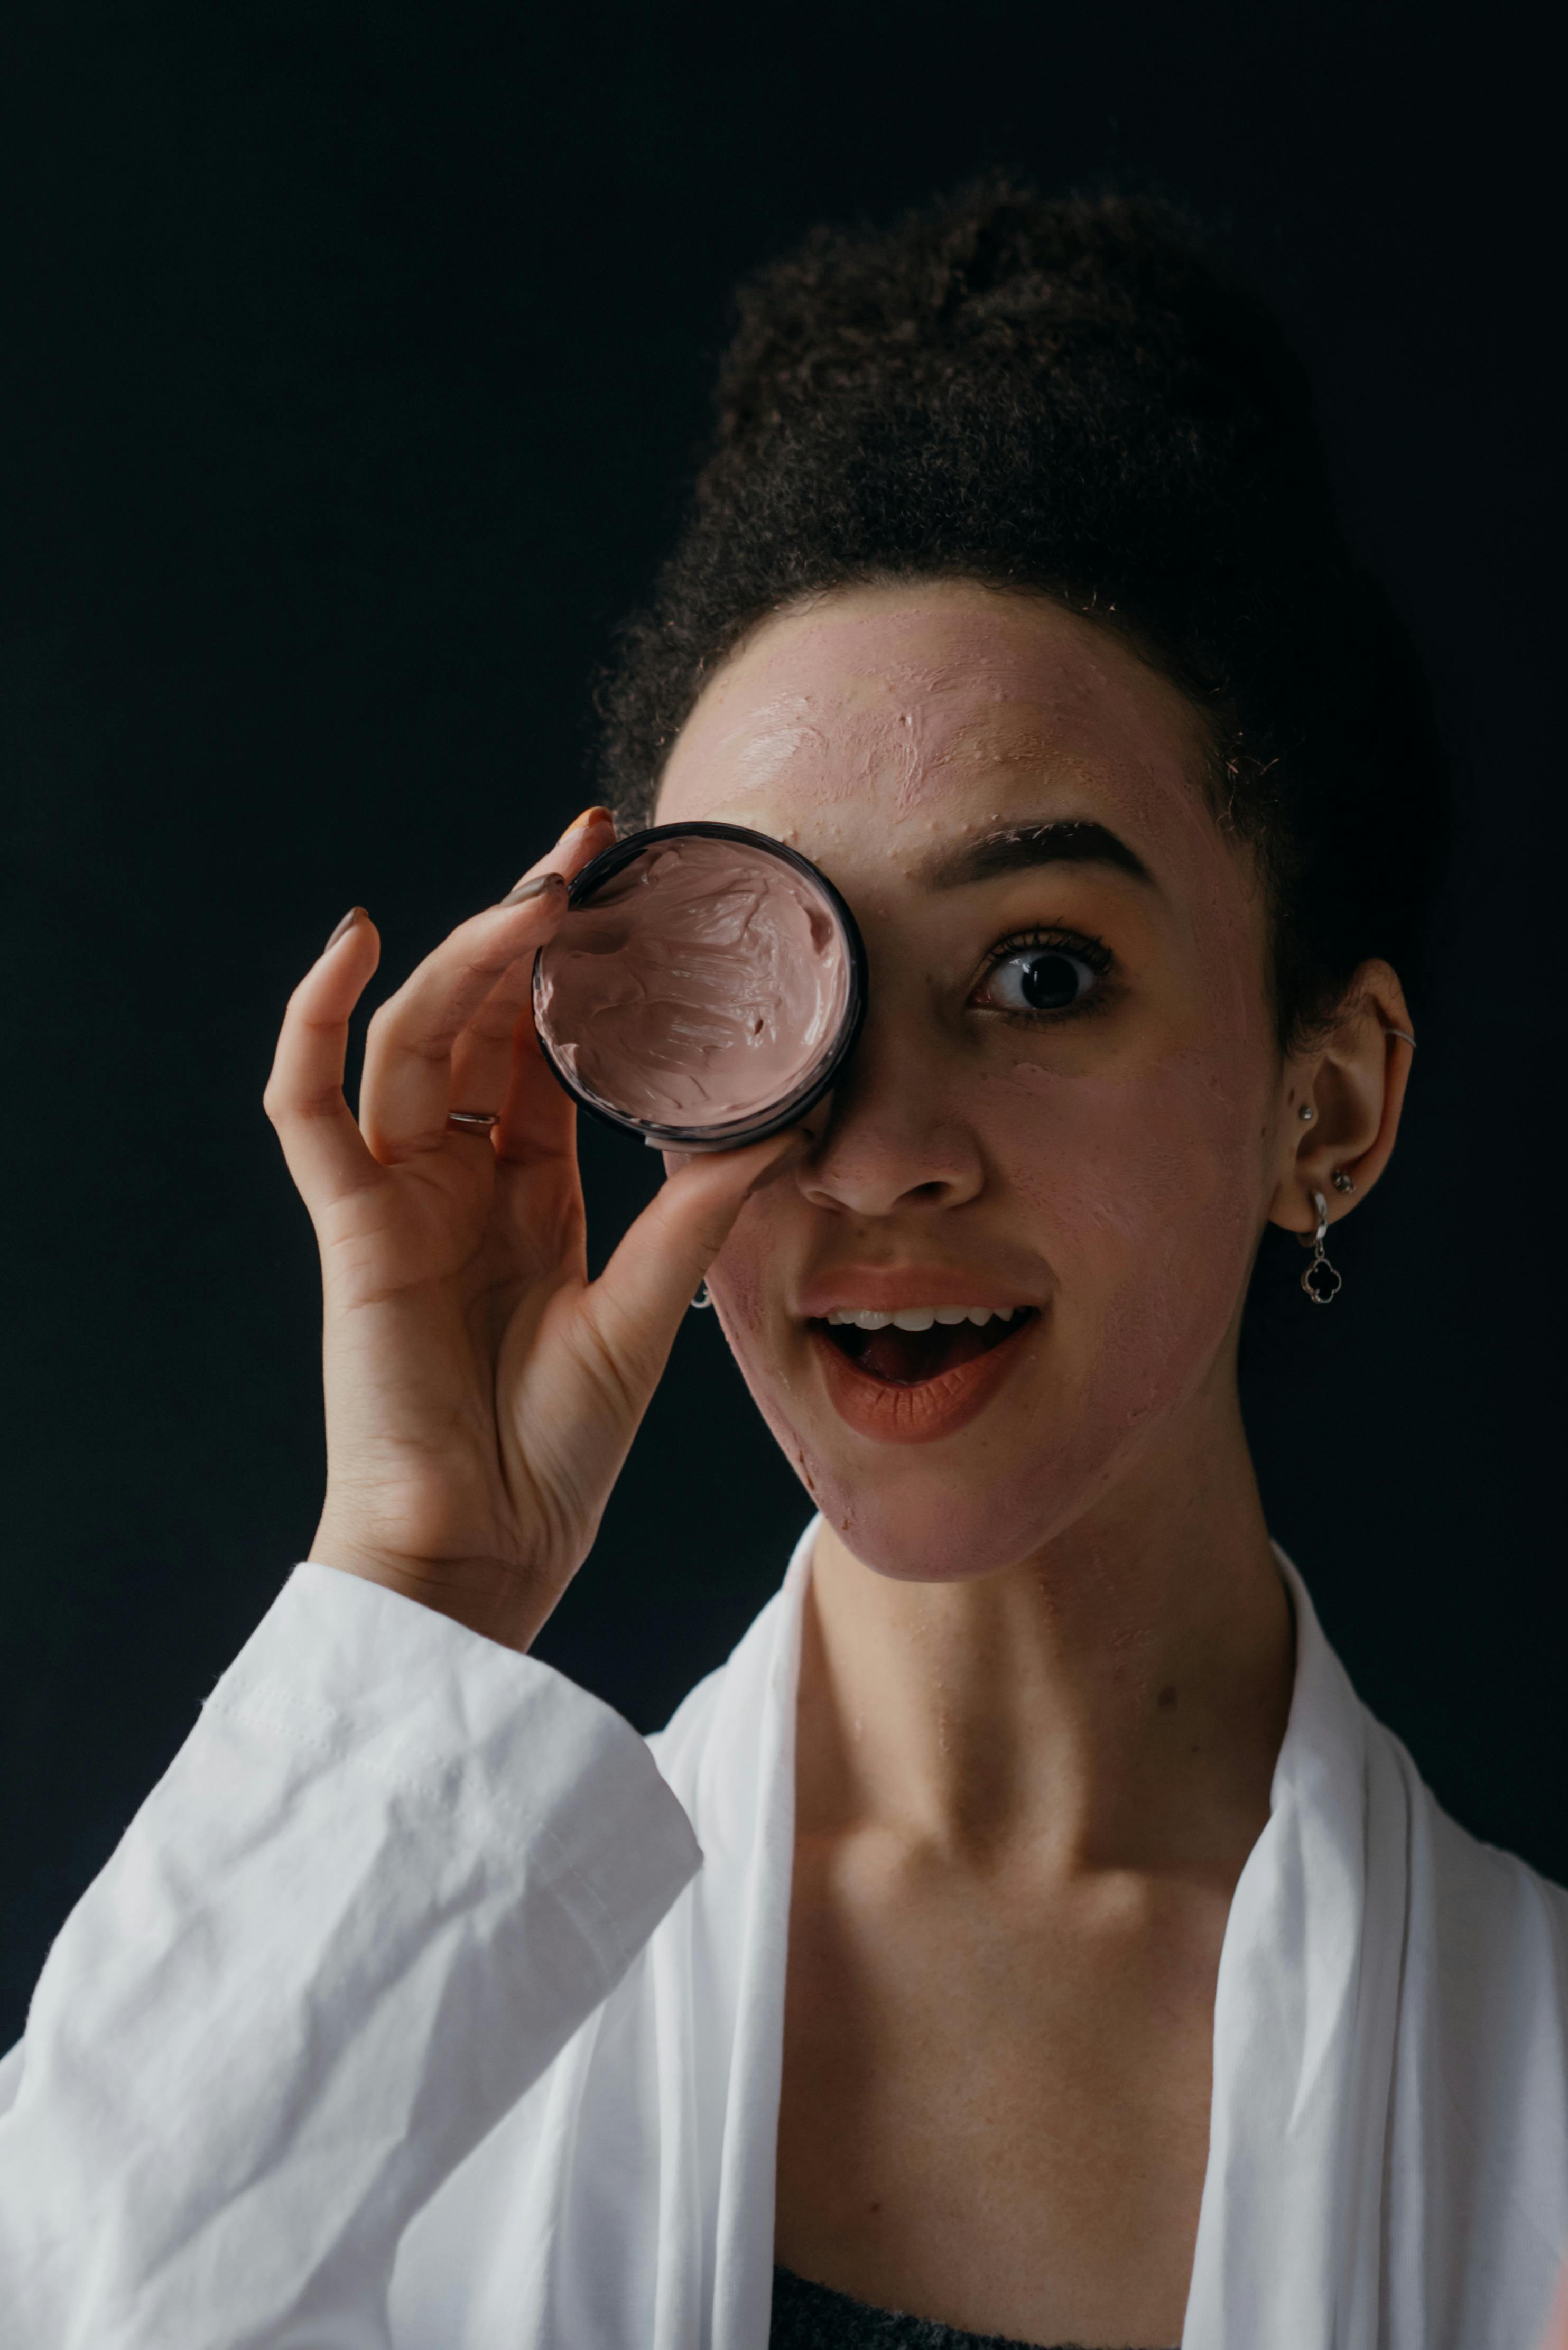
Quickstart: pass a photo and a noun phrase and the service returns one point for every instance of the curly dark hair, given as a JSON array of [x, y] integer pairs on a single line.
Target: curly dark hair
[[1074, 397]]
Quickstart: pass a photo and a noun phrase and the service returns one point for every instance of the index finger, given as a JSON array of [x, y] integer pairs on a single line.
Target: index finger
[[304, 1097], [407, 1088]]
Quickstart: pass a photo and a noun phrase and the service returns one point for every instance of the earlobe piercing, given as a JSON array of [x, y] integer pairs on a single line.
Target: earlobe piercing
[[1322, 1281], [701, 1302], [1342, 1180]]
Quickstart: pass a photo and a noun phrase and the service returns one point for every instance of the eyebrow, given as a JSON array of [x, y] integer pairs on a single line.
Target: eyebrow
[[1071, 842]]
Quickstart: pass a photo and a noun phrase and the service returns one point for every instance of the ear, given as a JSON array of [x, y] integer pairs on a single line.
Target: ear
[[1353, 1080]]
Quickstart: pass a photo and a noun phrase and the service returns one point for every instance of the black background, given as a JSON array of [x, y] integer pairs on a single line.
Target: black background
[[353, 359]]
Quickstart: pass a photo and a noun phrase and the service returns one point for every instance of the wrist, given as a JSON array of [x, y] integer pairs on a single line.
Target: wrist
[[487, 1595]]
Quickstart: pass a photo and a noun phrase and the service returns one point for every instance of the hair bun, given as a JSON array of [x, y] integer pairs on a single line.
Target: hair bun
[[1074, 297], [1072, 396]]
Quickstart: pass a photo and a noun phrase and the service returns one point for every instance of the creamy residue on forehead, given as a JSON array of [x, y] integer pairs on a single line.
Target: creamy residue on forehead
[[850, 701], [868, 724], [771, 738]]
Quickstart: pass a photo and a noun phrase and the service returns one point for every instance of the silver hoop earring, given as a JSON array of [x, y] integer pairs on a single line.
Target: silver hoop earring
[[701, 1302], [1322, 1281]]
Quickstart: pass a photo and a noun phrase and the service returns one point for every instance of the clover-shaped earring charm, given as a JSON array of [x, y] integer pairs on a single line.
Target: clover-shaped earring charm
[[1322, 1281]]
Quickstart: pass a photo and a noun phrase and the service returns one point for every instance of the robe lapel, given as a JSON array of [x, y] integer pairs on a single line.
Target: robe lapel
[[1304, 2031], [718, 1978]]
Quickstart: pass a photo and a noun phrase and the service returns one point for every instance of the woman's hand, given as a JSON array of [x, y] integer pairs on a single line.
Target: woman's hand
[[482, 1393]]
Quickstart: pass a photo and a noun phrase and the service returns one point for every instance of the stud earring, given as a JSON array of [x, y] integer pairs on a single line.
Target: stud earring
[[1306, 1113], [701, 1302], [1342, 1180], [1322, 1281]]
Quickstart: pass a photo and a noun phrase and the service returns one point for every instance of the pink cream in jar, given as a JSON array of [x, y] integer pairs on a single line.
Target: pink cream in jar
[[704, 989]]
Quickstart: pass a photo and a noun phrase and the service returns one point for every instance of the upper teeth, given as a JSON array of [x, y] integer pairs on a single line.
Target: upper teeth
[[920, 1317]]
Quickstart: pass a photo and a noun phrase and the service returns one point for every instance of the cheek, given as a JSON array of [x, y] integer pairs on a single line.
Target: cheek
[[743, 1278], [737, 1275], [1146, 1191], [744, 1281]]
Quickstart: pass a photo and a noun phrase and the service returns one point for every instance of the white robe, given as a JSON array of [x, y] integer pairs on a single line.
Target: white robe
[[408, 2012]]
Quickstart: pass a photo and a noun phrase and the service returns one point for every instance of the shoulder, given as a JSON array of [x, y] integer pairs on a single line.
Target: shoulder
[[1480, 2125], [1498, 1928], [1483, 2022], [1488, 1907]]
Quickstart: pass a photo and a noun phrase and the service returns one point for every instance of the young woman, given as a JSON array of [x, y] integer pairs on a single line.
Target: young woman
[[1027, 1931]]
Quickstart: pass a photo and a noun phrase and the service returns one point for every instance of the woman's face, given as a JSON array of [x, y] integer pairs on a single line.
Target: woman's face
[[1067, 1104]]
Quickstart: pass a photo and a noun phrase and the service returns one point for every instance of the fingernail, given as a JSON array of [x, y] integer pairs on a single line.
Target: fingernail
[[581, 823], [536, 886], [355, 914]]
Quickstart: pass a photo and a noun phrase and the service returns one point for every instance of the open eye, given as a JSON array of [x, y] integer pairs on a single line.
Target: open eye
[[1045, 975]]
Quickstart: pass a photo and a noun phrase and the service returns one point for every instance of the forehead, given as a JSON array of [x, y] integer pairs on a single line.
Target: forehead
[[905, 712]]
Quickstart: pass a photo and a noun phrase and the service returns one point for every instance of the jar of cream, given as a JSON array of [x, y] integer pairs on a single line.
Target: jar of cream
[[705, 987]]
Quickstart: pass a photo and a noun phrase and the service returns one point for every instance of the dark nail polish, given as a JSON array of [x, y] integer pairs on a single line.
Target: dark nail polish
[[349, 918], [536, 887]]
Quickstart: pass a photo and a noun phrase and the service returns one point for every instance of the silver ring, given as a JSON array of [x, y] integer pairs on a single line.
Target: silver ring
[[1403, 1035], [472, 1121]]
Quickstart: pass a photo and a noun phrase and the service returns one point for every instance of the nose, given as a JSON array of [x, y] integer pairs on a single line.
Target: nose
[[894, 1140]]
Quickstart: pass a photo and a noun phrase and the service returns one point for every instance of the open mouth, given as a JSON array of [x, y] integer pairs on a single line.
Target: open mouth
[[909, 1349]]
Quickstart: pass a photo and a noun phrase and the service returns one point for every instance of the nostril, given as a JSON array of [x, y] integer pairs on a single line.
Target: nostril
[[869, 1168]]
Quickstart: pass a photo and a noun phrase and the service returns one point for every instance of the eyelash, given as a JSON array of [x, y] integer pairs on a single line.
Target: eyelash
[[1090, 951]]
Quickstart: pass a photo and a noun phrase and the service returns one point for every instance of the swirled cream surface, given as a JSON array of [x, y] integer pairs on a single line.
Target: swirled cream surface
[[701, 986]]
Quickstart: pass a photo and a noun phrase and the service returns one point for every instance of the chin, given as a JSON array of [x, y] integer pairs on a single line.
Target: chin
[[954, 1523], [952, 1513]]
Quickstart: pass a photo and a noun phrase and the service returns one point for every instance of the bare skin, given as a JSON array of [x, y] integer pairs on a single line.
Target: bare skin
[[1048, 1658]]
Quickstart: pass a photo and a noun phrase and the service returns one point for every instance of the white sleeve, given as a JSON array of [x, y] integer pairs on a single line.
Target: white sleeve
[[391, 1872]]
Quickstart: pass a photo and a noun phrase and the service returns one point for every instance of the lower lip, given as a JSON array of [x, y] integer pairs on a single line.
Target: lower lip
[[918, 1415]]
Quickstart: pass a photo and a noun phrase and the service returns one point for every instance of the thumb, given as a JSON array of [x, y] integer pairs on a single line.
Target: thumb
[[638, 1301]]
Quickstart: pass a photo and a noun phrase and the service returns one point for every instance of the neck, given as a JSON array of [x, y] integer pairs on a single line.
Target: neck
[[1116, 1699]]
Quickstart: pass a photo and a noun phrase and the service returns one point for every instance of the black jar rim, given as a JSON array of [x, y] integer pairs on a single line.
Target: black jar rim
[[809, 1092]]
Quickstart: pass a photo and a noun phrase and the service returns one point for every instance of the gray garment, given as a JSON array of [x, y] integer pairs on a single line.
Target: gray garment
[[813, 2317]]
